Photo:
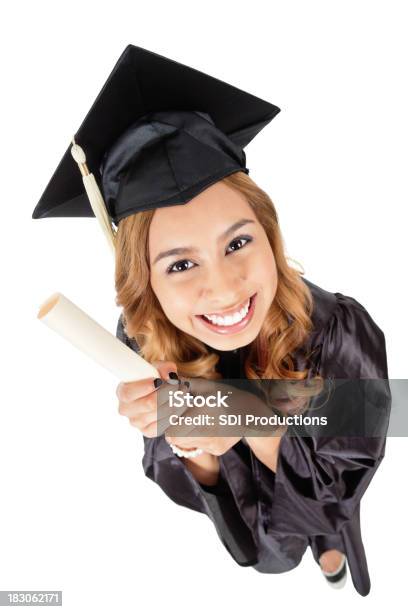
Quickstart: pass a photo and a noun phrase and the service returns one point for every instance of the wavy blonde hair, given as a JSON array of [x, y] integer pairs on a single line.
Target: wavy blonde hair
[[286, 325]]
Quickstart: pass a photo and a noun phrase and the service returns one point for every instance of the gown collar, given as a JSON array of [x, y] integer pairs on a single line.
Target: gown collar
[[231, 362]]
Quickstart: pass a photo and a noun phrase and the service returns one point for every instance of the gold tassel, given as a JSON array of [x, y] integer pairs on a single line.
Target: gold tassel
[[95, 197]]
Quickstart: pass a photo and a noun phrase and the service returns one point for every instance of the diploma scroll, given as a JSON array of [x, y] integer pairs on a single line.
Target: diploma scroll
[[73, 324]]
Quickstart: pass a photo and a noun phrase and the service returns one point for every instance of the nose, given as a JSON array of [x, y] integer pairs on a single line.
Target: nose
[[222, 286]]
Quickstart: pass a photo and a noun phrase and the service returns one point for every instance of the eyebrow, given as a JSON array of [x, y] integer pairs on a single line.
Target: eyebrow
[[191, 249]]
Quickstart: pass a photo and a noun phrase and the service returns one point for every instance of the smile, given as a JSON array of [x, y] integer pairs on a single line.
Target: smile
[[233, 321]]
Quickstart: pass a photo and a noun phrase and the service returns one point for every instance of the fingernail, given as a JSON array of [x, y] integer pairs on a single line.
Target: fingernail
[[174, 379], [157, 382]]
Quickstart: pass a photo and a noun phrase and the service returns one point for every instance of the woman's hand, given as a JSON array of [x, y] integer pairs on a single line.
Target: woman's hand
[[216, 437], [138, 399]]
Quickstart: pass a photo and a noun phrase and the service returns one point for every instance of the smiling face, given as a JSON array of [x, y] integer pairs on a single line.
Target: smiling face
[[212, 267]]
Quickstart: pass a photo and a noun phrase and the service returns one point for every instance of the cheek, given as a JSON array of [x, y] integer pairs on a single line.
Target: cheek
[[263, 265], [264, 273], [176, 306], [175, 298]]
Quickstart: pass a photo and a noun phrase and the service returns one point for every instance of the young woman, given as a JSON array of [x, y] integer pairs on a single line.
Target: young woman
[[207, 291]]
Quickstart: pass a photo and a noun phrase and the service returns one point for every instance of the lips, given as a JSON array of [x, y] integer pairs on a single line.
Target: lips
[[228, 312], [232, 328]]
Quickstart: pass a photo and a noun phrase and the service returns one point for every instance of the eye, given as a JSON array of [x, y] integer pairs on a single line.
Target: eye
[[239, 240], [179, 266], [173, 268]]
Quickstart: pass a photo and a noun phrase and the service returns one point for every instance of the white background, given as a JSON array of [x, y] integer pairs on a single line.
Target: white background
[[76, 511]]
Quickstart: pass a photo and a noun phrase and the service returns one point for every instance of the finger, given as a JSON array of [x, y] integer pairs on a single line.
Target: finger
[[165, 408], [129, 391], [152, 430], [144, 405], [167, 370], [203, 386], [179, 429], [145, 425], [143, 420]]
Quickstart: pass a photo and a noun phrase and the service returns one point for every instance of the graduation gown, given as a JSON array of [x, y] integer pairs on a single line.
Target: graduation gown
[[267, 520]]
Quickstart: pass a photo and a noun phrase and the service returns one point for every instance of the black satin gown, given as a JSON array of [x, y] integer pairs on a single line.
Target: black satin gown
[[267, 520]]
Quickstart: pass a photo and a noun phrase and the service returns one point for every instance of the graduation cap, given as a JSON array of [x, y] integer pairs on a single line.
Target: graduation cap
[[158, 134]]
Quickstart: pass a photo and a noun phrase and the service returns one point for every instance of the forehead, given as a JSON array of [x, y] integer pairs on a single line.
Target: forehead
[[206, 215]]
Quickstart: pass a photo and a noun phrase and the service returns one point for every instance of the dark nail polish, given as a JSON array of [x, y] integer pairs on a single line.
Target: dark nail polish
[[174, 379], [157, 382]]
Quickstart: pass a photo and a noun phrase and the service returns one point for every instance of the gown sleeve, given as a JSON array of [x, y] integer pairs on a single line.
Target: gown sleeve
[[319, 481], [170, 473]]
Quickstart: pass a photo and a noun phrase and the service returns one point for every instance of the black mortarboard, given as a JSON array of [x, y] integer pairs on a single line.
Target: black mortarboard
[[157, 134]]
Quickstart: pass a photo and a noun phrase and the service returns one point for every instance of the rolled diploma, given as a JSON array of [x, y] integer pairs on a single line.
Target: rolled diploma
[[73, 324]]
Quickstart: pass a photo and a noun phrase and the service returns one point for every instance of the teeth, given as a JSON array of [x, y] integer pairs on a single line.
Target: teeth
[[229, 319]]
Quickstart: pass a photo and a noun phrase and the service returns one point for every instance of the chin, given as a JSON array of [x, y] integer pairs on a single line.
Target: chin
[[230, 343]]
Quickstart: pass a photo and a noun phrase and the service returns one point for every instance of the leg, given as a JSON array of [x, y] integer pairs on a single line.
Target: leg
[[323, 544], [331, 560], [328, 552]]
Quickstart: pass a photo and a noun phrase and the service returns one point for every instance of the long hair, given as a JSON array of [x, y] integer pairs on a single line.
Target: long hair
[[286, 325]]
